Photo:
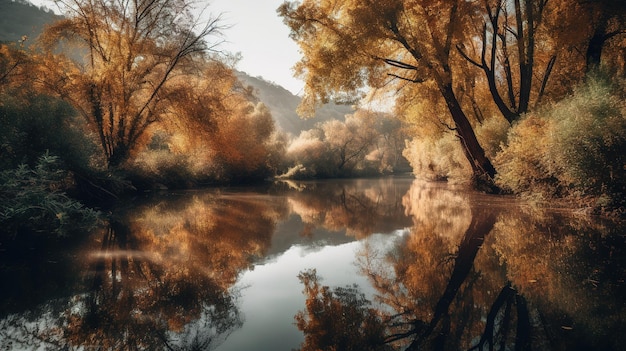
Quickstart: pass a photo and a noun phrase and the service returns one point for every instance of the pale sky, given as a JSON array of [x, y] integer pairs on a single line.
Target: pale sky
[[262, 38], [258, 34]]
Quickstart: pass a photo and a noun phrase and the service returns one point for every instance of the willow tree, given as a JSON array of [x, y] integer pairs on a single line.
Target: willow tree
[[124, 54], [348, 45]]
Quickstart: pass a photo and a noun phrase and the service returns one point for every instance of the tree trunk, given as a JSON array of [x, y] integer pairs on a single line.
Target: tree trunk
[[594, 50], [118, 156], [482, 167]]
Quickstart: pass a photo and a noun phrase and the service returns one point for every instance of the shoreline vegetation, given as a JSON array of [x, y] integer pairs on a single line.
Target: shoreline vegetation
[[92, 116]]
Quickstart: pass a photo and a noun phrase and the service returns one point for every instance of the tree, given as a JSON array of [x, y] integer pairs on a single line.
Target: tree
[[366, 143], [244, 145], [132, 49], [352, 44]]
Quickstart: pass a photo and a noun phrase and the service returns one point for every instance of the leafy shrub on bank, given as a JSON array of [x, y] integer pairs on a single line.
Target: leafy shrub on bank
[[573, 148], [35, 124], [161, 167], [438, 158], [33, 199]]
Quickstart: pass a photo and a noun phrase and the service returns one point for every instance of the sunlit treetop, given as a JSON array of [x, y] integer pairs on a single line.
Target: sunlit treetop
[[347, 45]]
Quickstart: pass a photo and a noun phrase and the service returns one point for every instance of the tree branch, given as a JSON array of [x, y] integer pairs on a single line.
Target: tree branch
[[412, 80], [466, 57], [397, 63]]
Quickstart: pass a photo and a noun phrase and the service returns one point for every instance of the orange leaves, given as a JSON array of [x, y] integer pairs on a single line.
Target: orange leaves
[[15, 65]]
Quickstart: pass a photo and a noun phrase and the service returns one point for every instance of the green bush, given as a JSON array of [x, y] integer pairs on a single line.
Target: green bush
[[34, 124], [572, 148], [32, 199], [589, 138]]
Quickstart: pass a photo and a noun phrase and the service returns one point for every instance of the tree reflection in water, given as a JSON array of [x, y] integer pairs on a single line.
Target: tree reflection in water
[[475, 275], [471, 272], [359, 207], [159, 278]]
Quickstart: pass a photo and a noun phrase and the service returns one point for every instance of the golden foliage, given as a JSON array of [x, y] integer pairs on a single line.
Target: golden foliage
[[130, 52]]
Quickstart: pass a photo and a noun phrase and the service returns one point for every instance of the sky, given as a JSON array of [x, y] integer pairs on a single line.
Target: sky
[[261, 37], [255, 31]]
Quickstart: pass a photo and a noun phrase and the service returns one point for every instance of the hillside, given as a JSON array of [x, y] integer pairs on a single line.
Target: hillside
[[283, 105], [19, 18]]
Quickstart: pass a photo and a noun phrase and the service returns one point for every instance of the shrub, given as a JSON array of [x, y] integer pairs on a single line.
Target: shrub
[[589, 138], [156, 167], [32, 198], [522, 165], [491, 134], [438, 159], [311, 156], [573, 147]]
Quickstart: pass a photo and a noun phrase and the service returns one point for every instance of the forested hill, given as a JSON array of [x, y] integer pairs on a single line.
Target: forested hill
[[19, 18], [283, 105]]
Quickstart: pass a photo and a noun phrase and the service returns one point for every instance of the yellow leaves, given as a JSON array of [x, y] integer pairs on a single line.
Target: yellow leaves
[[242, 140], [132, 53], [15, 66]]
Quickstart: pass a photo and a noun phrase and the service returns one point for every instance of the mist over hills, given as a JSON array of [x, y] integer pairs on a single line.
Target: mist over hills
[[20, 17]]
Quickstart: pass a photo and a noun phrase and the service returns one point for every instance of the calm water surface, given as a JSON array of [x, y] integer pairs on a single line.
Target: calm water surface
[[378, 264]]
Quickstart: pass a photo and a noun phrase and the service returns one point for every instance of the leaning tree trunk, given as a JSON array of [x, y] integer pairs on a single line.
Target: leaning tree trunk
[[481, 166]]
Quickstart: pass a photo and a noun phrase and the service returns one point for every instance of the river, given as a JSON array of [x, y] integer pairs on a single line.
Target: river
[[367, 264]]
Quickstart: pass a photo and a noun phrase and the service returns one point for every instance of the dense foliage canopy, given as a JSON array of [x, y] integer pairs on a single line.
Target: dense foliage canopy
[[476, 59]]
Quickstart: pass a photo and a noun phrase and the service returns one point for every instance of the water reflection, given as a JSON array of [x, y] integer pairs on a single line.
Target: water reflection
[[439, 268], [573, 271], [476, 275], [357, 207], [161, 274]]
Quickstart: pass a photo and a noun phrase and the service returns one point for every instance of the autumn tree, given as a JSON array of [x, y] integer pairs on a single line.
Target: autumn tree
[[245, 144], [348, 141], [349, 45], [13, 63], [366, 142], [125, 53], [214, 129]]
